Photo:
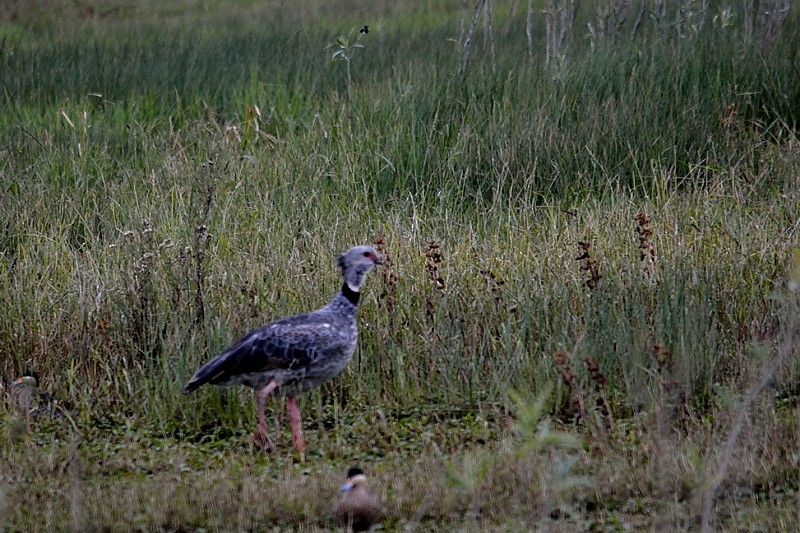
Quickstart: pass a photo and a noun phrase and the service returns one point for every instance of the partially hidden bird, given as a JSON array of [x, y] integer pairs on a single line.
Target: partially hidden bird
[[357, 509], [294, 354], [29, 400]]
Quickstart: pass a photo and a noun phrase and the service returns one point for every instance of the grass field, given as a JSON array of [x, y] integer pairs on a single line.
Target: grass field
[[588, 320]]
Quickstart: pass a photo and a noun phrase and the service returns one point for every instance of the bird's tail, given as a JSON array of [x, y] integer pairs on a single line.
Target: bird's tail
[[206, 373]]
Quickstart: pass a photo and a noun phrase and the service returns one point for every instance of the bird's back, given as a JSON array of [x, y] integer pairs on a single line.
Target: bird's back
[[358, 509], [300, 352]]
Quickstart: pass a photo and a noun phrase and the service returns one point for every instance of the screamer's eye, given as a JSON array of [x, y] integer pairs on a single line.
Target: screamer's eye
[[367, 254]]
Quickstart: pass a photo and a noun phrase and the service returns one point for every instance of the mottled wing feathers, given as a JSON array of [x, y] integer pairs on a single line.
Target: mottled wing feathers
[[291, 343]]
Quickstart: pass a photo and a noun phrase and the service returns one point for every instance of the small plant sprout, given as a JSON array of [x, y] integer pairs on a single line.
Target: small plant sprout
[[533, 428], [470, 476], [343, 50], [555, 452]]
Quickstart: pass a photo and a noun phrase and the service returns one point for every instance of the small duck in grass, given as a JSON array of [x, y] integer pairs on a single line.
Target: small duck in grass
[[357, 509]]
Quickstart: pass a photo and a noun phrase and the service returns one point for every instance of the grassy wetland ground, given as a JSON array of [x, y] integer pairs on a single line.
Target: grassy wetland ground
[[589, 316]]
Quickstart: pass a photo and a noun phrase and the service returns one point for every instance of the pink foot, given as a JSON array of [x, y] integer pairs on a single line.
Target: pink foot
[[263, 441]]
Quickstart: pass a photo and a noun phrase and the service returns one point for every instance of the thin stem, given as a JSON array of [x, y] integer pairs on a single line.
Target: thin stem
[[349, 81]]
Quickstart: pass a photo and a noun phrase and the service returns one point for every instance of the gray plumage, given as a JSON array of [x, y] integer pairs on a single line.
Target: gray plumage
[[295, 354]]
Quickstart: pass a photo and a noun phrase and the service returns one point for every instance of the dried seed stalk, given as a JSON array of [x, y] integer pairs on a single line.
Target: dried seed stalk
[[647, 250], [589, 265]]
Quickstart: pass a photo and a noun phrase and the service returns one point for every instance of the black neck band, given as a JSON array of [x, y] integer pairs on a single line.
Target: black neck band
[[351, 295]]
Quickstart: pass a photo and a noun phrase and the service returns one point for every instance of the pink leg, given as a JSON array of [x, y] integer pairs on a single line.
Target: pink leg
[[294, 418], [260, 436]]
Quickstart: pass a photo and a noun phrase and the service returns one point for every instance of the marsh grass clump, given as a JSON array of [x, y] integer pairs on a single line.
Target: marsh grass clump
[[673, 404], [495, 284], [144, 317]]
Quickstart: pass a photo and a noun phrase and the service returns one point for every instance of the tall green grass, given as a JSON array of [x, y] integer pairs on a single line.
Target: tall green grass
[[151, 215]]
